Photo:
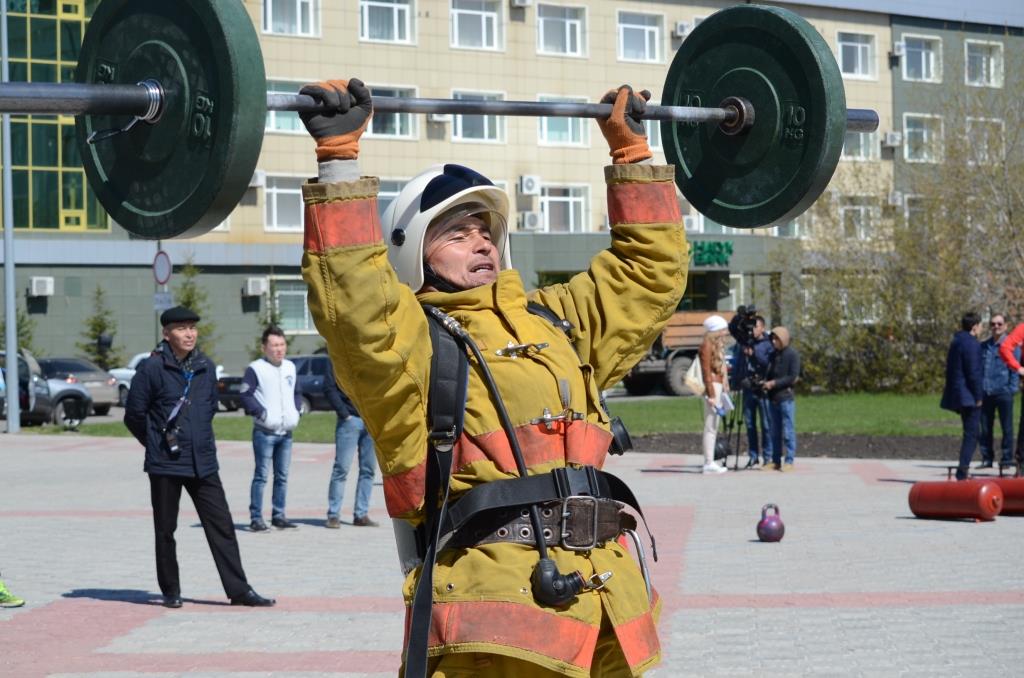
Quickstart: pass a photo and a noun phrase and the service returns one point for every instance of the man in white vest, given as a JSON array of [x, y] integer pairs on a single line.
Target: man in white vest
[[270, 396]]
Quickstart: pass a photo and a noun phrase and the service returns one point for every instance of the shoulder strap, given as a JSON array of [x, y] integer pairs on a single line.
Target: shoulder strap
[[446, 403], [621, 442]]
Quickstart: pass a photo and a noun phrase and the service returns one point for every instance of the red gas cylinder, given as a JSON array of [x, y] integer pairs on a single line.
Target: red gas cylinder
[[978, 499], [1013, 495]]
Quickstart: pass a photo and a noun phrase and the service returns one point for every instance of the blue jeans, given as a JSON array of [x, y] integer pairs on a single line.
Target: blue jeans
[[267, 447], [350, 435], [752, 407], [783, 430], [1003, 404], [970, 417]]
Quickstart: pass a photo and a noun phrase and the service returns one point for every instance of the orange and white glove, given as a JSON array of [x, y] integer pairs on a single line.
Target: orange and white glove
[[337, 129], [623, 129]]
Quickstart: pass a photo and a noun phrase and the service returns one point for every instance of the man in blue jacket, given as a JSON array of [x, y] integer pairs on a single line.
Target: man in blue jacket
[[999, 385], [171, 403], [963, 391], [754, 352]]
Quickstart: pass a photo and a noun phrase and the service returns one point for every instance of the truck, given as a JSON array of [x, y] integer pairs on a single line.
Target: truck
[[671, 354]]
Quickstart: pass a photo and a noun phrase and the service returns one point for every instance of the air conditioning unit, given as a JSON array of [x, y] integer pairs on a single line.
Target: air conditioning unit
[[680, 29], [439, 117], [41, 286], [899, 48], [259, 179], [530, 221], [256, 287], [529, 184], [895, 199], [691, 222], [521, 3], [892, 139]]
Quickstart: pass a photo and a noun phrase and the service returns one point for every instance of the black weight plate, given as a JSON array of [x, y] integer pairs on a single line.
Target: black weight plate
[[777, 168], [182, 175]]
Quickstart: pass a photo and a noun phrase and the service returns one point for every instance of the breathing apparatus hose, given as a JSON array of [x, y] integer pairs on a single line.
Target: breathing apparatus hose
[[549, 585]]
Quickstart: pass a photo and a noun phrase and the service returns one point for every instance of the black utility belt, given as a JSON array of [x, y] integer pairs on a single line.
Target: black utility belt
[[576, 523]]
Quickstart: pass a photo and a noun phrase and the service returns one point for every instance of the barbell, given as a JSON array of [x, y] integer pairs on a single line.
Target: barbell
[[170, 102]]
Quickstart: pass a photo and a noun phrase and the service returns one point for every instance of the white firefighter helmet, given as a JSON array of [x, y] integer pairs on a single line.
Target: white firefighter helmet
[[441, 190]]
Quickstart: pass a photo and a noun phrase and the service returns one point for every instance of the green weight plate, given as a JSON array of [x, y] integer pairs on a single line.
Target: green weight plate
[[182, 175], [774, 170]]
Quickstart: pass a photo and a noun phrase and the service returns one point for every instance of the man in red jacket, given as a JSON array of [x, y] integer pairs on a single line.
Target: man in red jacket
[[1006, 349]]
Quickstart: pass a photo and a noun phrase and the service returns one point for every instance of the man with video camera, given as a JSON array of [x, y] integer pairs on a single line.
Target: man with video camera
[[753, 353]]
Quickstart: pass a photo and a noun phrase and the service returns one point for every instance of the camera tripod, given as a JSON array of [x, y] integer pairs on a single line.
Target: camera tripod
[[734, 423]]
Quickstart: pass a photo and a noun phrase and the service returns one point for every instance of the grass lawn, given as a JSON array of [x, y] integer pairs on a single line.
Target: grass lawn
[[851, 414]]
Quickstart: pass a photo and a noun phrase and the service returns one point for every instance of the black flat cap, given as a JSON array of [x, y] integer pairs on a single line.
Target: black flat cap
[[178, 314]]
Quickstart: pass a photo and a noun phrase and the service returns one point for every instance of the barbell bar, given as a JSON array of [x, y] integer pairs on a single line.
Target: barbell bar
[[193, 70], [139, 100]]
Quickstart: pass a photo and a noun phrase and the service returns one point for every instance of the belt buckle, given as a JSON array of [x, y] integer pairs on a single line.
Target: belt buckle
[[567, 504]]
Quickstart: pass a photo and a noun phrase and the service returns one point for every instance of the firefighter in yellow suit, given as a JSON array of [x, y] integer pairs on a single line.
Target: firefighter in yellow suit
[[444, 242]]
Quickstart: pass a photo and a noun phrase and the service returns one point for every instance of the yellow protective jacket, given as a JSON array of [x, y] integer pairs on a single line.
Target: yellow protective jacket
[[377, 335]]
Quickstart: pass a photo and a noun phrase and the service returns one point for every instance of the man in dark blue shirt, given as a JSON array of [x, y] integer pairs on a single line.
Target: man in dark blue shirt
[[963, 391], [753, 354]]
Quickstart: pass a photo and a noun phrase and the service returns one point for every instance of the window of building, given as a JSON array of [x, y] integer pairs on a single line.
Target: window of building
[[476, 24], [922, 137], [478, 127], [640, 36], [49, 189], [653, 129], [561, 30], [856, 214], [736, 290], [922, 58], [284, 121], [563, 209], [290, 300], [292, 17], [798, 227], [393, 125], [386, 20], [984, 63], [860, 146], [915, 211], [389, 190], [283, 196], [559, 131], [857, 54], [984, 140]]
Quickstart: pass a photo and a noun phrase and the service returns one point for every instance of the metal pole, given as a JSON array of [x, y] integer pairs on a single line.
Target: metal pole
[[77, 99], [10, 310]]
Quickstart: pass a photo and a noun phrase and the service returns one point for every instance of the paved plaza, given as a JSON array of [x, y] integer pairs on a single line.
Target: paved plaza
[[858, 587]]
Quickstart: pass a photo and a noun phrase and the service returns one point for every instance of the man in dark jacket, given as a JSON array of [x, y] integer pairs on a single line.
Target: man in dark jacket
[[782, 375], [963, 391], [171, 403], [753, 353], [350, 437]]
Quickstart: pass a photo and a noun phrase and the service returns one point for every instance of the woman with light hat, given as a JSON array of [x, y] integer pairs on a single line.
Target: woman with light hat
[[716, 385]]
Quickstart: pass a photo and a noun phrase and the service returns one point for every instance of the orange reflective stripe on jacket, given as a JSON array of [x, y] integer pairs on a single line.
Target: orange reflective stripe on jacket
[[579, 442]]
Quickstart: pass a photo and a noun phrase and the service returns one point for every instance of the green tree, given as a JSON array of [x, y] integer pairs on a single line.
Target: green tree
[[270, 315], [100, 323], [882, 285], [190, 294], [26, 329]]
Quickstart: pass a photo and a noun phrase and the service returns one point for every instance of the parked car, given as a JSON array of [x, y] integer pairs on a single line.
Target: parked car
[[100, 384], [314, 375], [33, 391], [312, 372], [229, 393], [124, 376]]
